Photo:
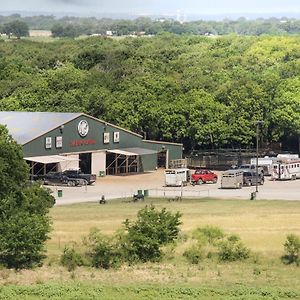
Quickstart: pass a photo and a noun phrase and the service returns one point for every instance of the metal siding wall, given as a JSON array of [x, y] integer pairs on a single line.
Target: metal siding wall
[[98, 162], [175, 151], [149, 162], [70, 133]]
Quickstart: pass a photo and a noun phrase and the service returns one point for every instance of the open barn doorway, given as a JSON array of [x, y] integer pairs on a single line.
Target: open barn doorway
[[85, 163], [162, 159]]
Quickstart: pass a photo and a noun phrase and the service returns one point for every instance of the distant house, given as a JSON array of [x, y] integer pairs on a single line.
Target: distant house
[[40, 33]]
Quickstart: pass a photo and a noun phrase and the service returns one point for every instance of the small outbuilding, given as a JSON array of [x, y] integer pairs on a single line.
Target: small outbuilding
[[59, 141]]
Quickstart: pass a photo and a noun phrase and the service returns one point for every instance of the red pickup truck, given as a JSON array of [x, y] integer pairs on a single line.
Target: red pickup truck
[[202, 176]]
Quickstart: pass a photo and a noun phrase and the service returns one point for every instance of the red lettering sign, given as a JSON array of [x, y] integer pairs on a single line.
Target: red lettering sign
[[78, 143]]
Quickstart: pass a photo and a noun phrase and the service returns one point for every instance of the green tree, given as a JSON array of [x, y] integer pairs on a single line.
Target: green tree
[[149, 232], [13, 169], [60, 30], [24, 220], [16, 28]]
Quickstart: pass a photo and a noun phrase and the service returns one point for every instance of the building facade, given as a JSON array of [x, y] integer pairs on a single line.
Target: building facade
[[59, 141]]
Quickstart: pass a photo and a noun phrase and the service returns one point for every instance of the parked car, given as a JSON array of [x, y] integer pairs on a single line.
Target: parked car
[[250, 178], [202, 176], [88, 178]]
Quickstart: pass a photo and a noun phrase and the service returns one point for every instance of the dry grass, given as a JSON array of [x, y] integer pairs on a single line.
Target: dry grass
[[263, 225]]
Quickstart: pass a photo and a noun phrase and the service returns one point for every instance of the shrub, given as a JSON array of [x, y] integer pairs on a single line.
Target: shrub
[[292, 248], [233, 249], [148, 233], [71, 259], [211, 233], [102, 250], [194, 254]]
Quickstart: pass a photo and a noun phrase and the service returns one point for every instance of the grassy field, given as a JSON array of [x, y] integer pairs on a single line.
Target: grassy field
[[262, 225]]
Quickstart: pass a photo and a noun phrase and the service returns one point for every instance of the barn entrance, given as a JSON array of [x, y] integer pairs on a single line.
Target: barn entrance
[[121, 162], [85, 163], [162, 159]]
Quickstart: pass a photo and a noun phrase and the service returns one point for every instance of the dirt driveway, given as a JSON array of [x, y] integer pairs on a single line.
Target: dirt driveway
[[113, 187]]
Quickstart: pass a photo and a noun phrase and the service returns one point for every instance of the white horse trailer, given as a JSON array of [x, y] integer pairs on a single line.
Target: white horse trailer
[[266, 163], [177, 177], [232, 179], [286, 167]]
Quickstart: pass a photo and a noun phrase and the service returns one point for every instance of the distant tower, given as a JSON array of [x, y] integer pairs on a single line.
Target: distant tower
[[179, 16]]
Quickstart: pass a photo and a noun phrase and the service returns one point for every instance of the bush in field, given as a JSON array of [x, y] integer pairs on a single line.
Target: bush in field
[[232, 249], [102, 251], [212, 234], [71, 259], [194, 254], [149, 232], [292, 249]]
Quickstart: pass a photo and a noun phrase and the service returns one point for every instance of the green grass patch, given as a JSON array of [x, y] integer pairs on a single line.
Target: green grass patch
[[84, 291]]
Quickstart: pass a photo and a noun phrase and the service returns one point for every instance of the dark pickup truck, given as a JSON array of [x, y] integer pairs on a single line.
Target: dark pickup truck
[[250, 178], [88, 178], [68, 177]]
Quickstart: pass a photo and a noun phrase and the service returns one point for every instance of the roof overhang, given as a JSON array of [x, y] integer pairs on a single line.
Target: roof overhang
[[132, 151], [51, 159], [121, 152]]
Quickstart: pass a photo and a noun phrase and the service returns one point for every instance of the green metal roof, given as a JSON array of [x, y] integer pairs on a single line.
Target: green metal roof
[[26, 126]]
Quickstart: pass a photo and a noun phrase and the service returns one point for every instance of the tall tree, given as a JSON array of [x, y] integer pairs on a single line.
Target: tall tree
[[16, 28], [24, 220]]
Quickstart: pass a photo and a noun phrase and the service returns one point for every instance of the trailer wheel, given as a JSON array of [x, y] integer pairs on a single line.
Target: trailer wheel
[[71, 183]]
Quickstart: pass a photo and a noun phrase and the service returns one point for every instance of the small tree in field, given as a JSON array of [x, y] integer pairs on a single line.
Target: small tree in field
[[24, 221], [149, 232], [292, 248]]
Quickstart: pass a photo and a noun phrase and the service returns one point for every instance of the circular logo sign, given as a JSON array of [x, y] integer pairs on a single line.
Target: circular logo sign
[[83, 128]]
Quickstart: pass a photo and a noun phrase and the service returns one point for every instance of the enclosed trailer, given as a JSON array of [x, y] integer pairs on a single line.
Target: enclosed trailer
[[232, 179], [266, 163], [286, 167], [177, 177]]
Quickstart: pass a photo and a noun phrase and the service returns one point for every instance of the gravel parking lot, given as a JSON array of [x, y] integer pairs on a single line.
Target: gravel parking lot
[[115, 187]]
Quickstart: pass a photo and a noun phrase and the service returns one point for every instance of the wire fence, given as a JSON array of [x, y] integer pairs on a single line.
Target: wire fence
[[177, 193]]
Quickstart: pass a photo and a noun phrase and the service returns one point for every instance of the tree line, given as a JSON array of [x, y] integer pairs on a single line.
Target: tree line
[[74, 26], [200, 91]]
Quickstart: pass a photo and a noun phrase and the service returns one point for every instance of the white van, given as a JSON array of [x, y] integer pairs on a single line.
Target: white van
[[232, 179], [177, 177]]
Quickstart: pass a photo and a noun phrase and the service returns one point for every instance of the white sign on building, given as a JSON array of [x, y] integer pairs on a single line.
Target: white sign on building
[[48, 142], [116, 137], [106, 138], [59, 142]]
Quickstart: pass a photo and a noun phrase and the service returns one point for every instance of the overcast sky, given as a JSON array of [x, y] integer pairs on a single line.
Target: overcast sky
[[153, 6]]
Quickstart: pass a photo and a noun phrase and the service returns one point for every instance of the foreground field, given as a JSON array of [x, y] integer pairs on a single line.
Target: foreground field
[[262, 225]]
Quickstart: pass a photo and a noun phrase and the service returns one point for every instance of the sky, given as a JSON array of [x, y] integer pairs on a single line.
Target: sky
[[200, 7]]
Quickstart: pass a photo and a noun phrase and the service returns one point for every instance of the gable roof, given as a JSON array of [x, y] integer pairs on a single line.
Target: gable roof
[[26, 126]]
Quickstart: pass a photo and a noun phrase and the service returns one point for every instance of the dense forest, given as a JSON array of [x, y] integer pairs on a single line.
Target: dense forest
[[206, 92], [75, 26]]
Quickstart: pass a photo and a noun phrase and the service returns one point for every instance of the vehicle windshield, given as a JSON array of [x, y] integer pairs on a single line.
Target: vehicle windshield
[[200, 172], [245, 167]]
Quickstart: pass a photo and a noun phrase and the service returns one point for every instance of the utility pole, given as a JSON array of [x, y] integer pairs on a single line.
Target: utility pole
[[257, 141]]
